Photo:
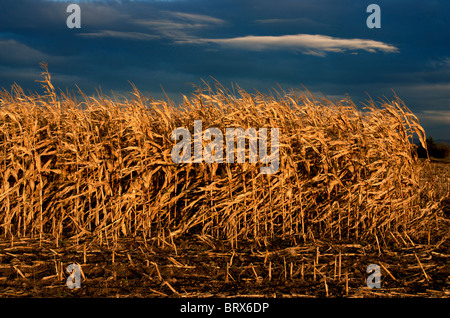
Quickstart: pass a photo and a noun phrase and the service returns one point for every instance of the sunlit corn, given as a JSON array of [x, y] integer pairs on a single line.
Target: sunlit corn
[[102, 166]]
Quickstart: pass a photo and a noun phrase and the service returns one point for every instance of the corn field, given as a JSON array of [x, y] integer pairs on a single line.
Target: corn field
[[101, 167]]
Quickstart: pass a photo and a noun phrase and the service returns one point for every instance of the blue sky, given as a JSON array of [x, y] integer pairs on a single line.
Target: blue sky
[[324, 45]]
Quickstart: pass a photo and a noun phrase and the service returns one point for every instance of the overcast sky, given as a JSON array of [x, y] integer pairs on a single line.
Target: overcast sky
[[324, 45]]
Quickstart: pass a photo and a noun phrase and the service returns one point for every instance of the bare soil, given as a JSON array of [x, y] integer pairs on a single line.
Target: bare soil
[[196, 266]]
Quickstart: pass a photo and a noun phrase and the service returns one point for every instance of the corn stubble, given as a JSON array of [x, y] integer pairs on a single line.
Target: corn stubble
[[102, 167]]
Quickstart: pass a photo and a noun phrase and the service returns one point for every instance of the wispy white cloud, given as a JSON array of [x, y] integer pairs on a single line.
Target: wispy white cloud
[[435, 117], [173, 25], [183, 28], [286, 21], [312, 44], [179, 26], [120, 34], [199, 18]]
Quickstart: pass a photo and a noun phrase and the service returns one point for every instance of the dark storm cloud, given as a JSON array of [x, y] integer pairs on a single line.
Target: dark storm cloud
[[323, 44]]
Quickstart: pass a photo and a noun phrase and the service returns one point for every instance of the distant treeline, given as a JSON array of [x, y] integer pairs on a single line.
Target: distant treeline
[[439, 150]]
